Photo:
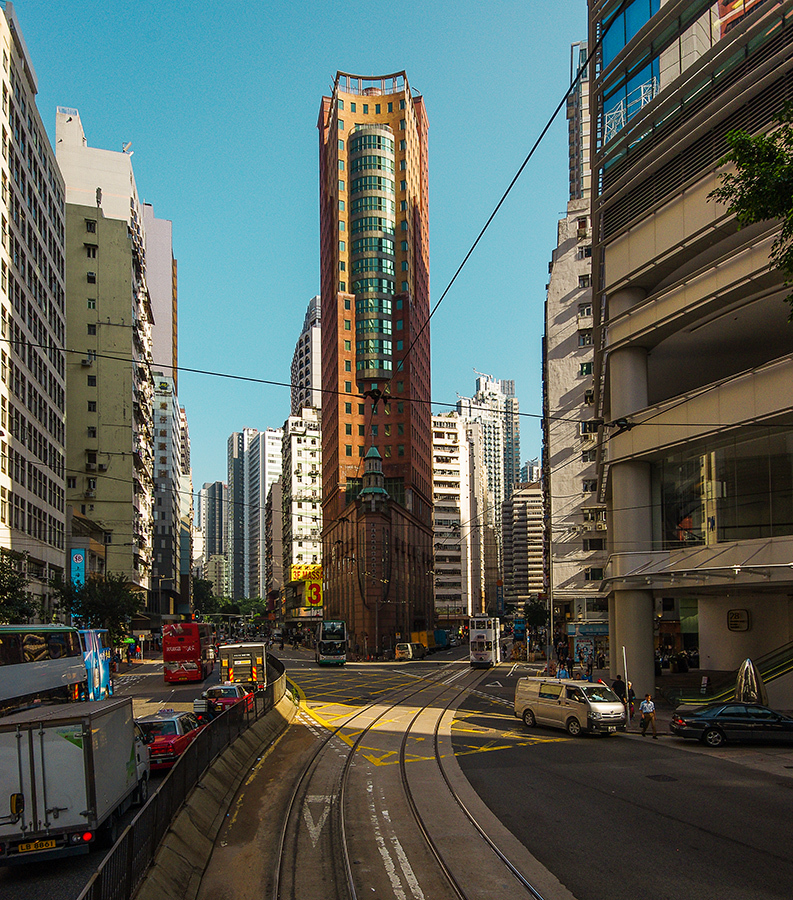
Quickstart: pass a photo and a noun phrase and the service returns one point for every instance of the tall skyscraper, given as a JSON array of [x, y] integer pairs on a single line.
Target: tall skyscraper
[[575, 536], [374, 232], [496, 408], [522, 517], [307, 361], [32, 292], [254, 464], [109, 389]]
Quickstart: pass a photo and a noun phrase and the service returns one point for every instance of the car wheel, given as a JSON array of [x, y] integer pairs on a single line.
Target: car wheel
[[573, 726], [528, 718], [143, 791], [713, 737]]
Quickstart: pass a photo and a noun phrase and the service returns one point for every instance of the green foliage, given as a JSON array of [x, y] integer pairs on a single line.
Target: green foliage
[[761, 188], [101, 603], [536, 614], [253, 606], [17, 606], [205, 603]]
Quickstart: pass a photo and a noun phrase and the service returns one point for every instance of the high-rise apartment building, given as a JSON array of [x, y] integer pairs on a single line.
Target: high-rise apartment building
[[575, 536], [167, 447], [374, 232], [307, 361], [693, 370], [274, 550], [254, 464], [496, 408], [212, 516], [522, 518], [109, 321], [33, 312]]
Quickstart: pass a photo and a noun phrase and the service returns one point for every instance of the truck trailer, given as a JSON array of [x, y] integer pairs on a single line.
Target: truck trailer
[[67, 774], [244, 664]]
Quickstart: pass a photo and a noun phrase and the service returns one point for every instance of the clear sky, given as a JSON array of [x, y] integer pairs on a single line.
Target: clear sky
[[220, 102]]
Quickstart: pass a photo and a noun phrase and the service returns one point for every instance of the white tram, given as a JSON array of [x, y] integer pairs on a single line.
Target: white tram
[[484, 636]]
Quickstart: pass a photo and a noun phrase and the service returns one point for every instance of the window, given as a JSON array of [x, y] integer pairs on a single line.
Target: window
[[585, 338], [390, 107], [90, 251], [341, 125], [341, 205], [347, 387], [399, 304], [342, 226], [404, 265], [348, 409], [341, 144], [341, 165], [91, 276], [348, 428], [341, 104], [401, 104], [342, 266], [588, 456], [584, 281], [91, 431], [342, 246], [366, 109], [387, 451], [403, 205], [92, 406], [377, 109], [589, 485], [400, 406], [91, 303], [92, 381], [341, 188], [347, 365], [590, 426], [342, 285], [400, 345], [584, 253], [403, 144], [402, 124], [593, 574], [348, 449], [403, 164], [347, 325], [348, 345], [71, 481], [403, 225], [90, 226], [360, 450], [585, 309], [594, 544], [400, 449], [360, 409], [589, 397], [361, 431], [585, 368], [399, 324], [347, 303], [400, 428], [352, 107], [92, 329]]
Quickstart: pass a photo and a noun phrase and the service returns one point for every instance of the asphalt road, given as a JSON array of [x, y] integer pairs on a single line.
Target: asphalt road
[[626, 817]]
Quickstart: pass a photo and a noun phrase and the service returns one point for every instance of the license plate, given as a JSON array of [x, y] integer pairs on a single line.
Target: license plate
[[36, 845], [612, 729]]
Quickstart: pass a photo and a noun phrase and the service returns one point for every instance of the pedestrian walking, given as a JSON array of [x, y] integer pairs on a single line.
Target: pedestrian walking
[[647, 709]]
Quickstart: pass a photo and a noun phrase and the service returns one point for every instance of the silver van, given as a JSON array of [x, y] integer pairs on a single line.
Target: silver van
[[575, 706]]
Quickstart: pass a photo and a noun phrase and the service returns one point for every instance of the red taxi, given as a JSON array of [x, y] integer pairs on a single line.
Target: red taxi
[[168, 734], [225, 695]]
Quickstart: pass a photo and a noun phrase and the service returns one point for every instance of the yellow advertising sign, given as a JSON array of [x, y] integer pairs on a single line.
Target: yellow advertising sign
[[312, 575]]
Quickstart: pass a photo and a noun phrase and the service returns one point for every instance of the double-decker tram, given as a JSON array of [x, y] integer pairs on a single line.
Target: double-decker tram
[[98, 657], [188, 651], [331, 648], [484, 634], [39, 662]]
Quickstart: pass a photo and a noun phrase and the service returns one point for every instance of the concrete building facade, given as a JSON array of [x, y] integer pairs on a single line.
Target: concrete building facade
[[306, 373], [33, 327], [523, 523], [374, 233], [575, 537], [693, 371], [109, 383]]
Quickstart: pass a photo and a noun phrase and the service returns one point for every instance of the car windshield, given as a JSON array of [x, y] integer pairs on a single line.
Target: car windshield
[[599, 693], [156, 729], [221, 692]]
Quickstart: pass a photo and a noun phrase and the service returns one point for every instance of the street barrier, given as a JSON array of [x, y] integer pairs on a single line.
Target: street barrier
[[125, 866]]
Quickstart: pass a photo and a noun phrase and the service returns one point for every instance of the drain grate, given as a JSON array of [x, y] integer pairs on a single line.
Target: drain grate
[[661, 778]]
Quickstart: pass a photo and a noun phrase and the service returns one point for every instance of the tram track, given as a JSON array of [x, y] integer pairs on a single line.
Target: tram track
[[347, 818]]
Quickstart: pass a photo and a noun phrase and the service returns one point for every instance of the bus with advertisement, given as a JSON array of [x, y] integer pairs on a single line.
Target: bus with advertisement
[[331, 645], [188, 651], [98, 658], [39, 662]]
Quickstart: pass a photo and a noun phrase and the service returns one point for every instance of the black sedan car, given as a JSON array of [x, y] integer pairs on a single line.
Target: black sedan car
[[716, 723]]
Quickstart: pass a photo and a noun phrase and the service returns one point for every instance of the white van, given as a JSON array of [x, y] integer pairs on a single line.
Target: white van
[[575, 706]]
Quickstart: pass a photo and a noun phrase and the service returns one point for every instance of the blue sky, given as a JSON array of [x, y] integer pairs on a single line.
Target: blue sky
[[220, 102]]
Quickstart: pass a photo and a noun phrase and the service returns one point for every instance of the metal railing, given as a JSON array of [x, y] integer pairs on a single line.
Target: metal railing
[[125, 866]]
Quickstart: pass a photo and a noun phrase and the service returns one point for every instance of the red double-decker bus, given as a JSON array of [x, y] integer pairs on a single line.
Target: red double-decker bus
[[188, 651]]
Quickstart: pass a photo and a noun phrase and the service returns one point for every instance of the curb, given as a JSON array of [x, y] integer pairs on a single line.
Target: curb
[[184, 853]]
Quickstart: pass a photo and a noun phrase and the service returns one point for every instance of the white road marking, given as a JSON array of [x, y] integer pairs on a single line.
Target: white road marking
[[388, 860], [315, 828]]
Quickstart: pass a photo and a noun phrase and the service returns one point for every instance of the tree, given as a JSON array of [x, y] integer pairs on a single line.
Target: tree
[[761, 188], [16, 603], [204, 600], [106, 602]]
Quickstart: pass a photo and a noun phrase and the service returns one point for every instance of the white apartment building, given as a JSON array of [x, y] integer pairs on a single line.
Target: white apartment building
[[306, 373], [302, 490], [455, 581], [576, 534], [522, 520], [33, 325]]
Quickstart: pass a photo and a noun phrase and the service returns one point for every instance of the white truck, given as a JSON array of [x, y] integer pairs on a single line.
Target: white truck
[[244, 664], [67, 774]]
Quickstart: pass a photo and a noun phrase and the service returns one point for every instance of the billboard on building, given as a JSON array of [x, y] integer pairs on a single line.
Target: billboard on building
[[312, 575]]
